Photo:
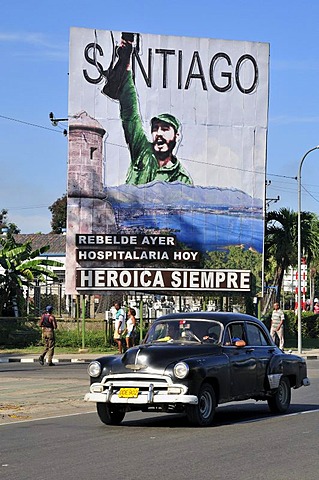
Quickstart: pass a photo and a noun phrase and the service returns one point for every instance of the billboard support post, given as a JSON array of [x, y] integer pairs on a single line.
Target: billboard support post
[[141, 318], [83, 321]]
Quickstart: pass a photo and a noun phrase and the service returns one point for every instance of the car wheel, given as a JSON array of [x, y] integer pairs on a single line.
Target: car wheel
[[202, 414], [280, 401], [109, 414]]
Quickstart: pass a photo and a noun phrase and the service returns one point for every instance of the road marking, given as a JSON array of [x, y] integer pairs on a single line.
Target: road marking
[[301, 413], [47, 418]]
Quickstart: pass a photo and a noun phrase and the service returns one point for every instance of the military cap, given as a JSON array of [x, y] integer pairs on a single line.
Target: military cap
[[167, 118]]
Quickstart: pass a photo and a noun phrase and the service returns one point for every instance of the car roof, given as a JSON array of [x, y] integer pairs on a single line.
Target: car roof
[[222, 317]]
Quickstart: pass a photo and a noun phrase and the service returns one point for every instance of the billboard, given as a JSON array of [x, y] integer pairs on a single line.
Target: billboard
[[167, 138]]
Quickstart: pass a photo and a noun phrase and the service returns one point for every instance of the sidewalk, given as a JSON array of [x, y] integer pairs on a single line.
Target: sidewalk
[[60, 358], [308, 354]]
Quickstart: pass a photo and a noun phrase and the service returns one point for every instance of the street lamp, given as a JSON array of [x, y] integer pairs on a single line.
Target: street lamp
[[299, 246]]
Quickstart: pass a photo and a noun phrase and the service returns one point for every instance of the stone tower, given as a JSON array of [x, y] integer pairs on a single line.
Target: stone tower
[[87, 209]]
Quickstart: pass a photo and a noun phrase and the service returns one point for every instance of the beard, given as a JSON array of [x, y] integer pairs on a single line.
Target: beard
[[162, 155]]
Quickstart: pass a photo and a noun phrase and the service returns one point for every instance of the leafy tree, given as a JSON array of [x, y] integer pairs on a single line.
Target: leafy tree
[[20, 267], [3, 217], [236, 257], [281, 244], [11, 227], [58, 210]]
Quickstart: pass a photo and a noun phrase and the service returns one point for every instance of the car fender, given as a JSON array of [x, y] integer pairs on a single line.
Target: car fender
[[213, 369], [291, 366], [274, 370]]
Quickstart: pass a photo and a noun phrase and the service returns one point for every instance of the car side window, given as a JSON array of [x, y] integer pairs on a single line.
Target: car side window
[[256, 336], [213, 332], [233, 333]]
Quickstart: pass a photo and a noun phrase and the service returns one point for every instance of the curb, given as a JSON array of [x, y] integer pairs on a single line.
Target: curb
[[55, 360], [306, 356]]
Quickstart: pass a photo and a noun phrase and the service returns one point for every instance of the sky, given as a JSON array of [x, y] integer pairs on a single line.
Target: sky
[[34, 50]]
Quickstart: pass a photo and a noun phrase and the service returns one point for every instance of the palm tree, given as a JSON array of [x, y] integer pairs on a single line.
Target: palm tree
[[20, 267], [281, 244]]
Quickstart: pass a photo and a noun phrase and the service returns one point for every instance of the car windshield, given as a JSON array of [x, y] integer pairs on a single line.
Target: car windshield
[[184, 330]]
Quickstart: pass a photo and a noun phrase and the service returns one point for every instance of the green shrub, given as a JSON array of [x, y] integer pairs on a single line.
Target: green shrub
[[19, 333], [309, 325], [290, 324], [95, 339], [67, 338], [73, 339]]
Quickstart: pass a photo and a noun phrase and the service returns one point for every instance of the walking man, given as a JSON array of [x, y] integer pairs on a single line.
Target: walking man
[[48, 324]]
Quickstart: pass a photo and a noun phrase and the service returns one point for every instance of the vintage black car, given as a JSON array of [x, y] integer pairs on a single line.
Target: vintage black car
[[192, 362]]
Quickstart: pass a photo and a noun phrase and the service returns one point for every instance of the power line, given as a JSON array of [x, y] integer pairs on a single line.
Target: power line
[[310, 194], [31, 124], [27, 208]]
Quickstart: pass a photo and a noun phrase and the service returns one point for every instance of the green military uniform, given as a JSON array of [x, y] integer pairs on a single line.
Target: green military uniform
[[144, 166]]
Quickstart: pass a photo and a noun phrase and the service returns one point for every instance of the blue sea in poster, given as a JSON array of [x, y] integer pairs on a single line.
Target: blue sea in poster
[[203, 218]]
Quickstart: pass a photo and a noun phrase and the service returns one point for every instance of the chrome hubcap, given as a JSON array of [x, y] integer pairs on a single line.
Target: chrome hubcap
[[205, 405]]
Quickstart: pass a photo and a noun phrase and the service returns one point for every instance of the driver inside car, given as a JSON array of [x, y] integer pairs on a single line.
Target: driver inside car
[[211, 338]]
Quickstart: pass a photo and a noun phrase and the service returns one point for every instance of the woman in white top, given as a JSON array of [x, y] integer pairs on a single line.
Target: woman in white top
[[130, 327]]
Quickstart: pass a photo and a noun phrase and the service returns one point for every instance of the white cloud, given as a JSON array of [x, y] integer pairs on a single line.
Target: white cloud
[[44, 46]]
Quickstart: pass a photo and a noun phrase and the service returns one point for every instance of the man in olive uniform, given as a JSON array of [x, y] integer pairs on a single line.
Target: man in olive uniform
[[149, 160], [48, 324]]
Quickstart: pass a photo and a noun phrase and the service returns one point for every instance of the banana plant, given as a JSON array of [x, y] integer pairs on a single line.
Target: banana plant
[[21, 266]]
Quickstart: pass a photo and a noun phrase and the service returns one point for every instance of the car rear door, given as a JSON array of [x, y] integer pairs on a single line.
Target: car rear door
[[242, 361], [263, 350]]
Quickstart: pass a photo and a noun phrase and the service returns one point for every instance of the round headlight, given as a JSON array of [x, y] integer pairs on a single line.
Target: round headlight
[[94, 369], [181, 370]]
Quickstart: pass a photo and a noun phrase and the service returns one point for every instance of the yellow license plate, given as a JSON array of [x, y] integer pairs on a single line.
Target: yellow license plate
[[128, 392]]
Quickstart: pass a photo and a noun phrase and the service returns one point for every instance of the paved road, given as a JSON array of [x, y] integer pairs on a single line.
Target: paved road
[[246, 443], [29, 391]]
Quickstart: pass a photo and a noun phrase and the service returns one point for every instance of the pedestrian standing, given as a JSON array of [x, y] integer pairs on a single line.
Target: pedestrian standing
[[119, 326], [48, 325], [130, 327], [277, 325]]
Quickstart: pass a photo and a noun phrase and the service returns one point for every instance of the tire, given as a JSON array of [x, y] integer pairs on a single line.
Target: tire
[[202, 414], [280, 401], [109, 414]]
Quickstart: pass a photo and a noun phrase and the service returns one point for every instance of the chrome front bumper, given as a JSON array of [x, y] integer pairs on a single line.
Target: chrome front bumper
[[142, 399], [153, 389]]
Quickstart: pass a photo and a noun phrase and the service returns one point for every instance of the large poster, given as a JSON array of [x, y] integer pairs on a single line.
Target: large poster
[[167, 136]]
